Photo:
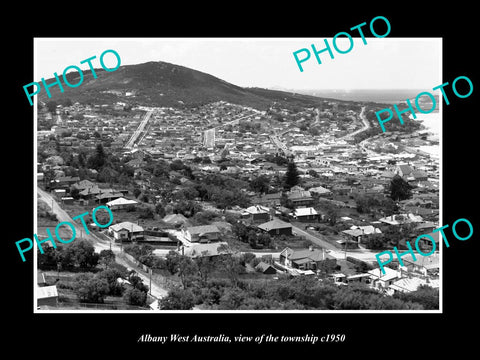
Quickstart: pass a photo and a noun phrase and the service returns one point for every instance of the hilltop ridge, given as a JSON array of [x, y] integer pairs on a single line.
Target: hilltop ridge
[[158, 83]]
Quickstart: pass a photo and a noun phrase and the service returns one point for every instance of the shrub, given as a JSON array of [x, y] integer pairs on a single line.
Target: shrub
[[135, 297]]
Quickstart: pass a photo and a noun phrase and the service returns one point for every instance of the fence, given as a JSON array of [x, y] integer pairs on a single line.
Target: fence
[[96, 306], [157, 277]]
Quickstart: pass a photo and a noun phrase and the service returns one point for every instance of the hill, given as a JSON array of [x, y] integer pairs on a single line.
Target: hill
[[164, 84]]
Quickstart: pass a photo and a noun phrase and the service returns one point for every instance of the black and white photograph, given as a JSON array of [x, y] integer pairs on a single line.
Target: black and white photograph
[[214, 175]]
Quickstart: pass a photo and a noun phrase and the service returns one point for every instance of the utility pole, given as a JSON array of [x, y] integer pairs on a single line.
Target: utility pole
[[150, 287]]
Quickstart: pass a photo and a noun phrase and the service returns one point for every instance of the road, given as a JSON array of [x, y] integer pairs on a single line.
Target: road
[[365, 123], [334, 251], [139, 130], [99, 244], [315, 239]]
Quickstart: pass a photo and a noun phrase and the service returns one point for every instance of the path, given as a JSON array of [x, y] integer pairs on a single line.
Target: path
[[139, 130], [366, 125], [324, 244]]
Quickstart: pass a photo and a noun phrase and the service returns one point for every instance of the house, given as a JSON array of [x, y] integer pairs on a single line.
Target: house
[[126, 231], [357, 232], [305, 259], [47, 296], [121, 203], [341, 189], [353, 235], [306, 214], [90, 192], [67, 200], [425, 243], [107, 196], [418, 175], [398, 219], [403, 170], [320, 191], [359, 278], [265, 268], [423, 265], [383, 281], [300, 198], [256, 213], [339, 278], [276, 227], [412, 283], [136, 163], [176, 220], [59, 193], [202, 233], [66, 181], [270, 199], [83, 184]]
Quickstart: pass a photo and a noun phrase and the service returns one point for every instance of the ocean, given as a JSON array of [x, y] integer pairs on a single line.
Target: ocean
[[432, 121], [384, 96]]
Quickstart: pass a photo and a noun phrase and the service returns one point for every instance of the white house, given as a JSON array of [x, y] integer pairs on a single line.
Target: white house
[[121, 203], [383, 281], [202, 233], [126, 231]]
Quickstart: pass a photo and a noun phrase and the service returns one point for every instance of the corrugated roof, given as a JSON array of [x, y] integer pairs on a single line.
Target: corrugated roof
[[305, 211], [121, 201], [275, 224], [202, 229], [47, 292], [257, 209], [127, 225]]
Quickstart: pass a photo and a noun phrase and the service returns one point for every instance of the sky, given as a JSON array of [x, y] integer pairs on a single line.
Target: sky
[[383, 63]]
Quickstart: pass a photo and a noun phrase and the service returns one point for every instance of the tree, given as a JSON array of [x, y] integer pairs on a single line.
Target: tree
[[135, 297], [172, 260], [80, 254], [177, 165], [374, 241], [160, 210], [111, 276], [332, 214], [48, 260], [260, 184], [51, 106], [75, 193], [146, 213], [292, 176], [313, 173], [137, 282], [98, 159], [240, 230], [186, 269], [399, 189], [425, 295], [177, 299], [205, 266], [106, 258], [137, 192], [232, 299], [232, 268], [89, 288]]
